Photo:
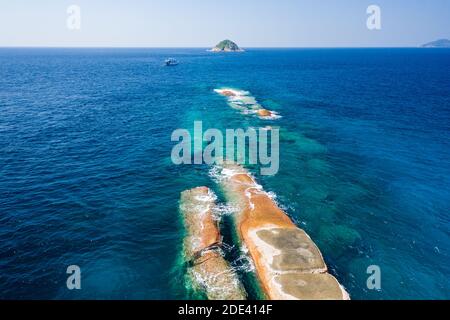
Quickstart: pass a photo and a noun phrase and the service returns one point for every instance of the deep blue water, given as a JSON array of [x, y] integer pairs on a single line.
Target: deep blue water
[[86, 176]]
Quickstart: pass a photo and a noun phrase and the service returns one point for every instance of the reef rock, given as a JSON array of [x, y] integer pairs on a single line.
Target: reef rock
[[288, 263], [264, 113], [207, 269]]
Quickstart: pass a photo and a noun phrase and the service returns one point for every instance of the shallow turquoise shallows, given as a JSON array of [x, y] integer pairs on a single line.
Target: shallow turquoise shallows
[[86, 176]]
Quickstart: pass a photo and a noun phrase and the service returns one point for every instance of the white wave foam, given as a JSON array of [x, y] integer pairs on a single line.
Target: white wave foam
[[210, 197], [244, 262], [221, 210], [219, 174], [210, 282], [245, 102]]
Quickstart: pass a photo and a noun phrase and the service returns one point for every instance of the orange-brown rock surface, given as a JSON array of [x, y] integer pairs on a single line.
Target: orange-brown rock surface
[[288, 263], [264, 113], [228, 93], [208, 270]]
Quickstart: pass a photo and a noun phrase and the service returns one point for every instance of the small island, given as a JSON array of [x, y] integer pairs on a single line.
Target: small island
[[226, 46], [442, 43]]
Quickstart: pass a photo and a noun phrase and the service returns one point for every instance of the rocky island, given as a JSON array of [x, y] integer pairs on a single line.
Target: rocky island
[[226, 46], [442, 43]]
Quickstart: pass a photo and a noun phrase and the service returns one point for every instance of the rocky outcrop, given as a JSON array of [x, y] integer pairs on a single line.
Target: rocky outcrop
[[264, 113], [226, 46], [228, 93], [246, 103], [288, 263], [208, 270]]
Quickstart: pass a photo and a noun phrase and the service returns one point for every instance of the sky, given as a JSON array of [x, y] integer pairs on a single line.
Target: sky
[[203, 23]]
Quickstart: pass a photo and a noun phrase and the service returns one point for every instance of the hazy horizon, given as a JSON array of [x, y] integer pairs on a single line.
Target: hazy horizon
[[202, 24], [206, 48]]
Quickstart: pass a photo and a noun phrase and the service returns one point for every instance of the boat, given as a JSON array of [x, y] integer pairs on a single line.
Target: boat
[[171, 62]]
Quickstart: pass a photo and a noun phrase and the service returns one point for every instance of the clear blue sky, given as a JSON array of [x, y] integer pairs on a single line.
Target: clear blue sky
[[202, 23]]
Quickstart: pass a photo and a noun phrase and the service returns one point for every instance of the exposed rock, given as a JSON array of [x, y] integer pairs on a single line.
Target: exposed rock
[[288, 263], [228, 93], [246, 103], [208, 270], [296, 250], [308, 286], [264, 113]]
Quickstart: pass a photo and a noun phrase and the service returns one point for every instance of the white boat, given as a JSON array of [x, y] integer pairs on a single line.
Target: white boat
[[171, 62]]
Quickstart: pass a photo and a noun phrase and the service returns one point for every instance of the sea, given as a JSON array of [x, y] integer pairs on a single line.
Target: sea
[[87, 178]]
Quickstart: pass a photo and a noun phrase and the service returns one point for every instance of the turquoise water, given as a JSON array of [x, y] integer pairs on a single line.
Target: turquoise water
[[87, 179]]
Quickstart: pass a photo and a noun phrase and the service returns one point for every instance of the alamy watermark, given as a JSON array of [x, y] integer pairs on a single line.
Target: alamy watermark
[[73, 21], [374, 280], [374, 19], [252, 146]]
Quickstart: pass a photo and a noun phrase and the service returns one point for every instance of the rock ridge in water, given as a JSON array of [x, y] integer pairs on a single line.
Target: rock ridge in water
[[288, 263], [208, 271]]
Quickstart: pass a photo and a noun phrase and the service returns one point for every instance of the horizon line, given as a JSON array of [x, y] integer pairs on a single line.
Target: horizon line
[[201, 47]]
